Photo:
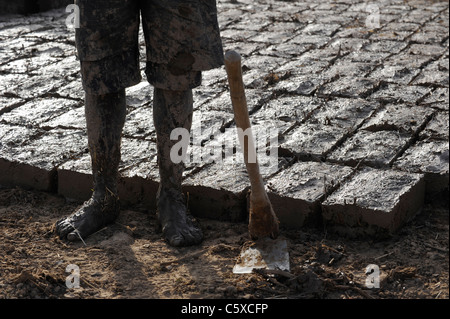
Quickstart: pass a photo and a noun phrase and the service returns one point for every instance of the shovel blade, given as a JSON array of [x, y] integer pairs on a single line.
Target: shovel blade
[[264, 253]]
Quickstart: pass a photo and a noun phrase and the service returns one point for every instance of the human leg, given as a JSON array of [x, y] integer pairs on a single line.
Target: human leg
[[105, 117]]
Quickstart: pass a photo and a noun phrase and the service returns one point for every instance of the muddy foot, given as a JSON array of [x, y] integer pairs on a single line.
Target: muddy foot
[[91, 217], [178, 227]]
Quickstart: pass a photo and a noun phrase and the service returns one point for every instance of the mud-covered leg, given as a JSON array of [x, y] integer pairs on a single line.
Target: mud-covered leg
[[105, 117], [173, 109]]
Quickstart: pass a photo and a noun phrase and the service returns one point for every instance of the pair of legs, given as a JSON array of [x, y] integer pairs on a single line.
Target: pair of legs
[[105, 118]]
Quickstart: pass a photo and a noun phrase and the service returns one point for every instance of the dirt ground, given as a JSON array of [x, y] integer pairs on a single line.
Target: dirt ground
[[130, 259]]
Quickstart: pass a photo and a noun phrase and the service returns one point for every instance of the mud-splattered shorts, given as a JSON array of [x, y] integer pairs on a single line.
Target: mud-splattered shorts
[[182, 39]]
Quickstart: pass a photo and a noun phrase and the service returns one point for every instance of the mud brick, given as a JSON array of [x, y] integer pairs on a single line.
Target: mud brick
[[75, 178], [244, 48], [350, 45], [311, 62], [139, 95], [218, 191], [12, 139], [262, 63], [347, 86], [429, 37], [208, 123], [317, 41], [367, 56], [34, 164], [395, 73], [296, 192], [374, 202], [313, 140], [371, 148], [348, 69], [391, 35], [139, 123], [397, 31], [320, 29], [9, 103], [72, 119], [407, 59], [30, 64], [354, 32], [417, 15], [285, 50], [435, 73], [272, 37], [399, 117], [42, 109], [139, 176], [10, 82], [426, 49], [394, 93], [430, 157], [344, 113], [303, 66], [430, 33], [225, 148], [389, 46], [222, 103], [250, 21], [72, 90], [138, 159], [240, 35], [39, 86], [287, 110], [214, 76], [439, 99], [437, 128], [204, 95], [13, 47], [24, 26], [299, 84]]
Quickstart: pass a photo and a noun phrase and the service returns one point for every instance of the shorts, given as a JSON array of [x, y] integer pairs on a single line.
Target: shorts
[[182, 39]]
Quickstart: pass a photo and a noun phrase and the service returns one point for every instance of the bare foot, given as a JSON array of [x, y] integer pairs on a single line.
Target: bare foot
[[178, 227], [95, 214]]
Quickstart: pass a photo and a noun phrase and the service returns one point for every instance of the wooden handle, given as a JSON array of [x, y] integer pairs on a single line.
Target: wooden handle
[[241, 117], [262, 219]]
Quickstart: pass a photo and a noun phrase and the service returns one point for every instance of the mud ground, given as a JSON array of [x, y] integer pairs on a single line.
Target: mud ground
[[131, 260]]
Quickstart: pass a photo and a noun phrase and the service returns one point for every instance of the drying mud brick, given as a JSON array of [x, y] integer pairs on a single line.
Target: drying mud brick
[[399, 117], [218, 191], [75, 178], [296, 192], [437, 128], [377, 149], [313, 140], [137, 172], [42, 110], [35, 163], [344, 113], [374, 202], [431, 158]]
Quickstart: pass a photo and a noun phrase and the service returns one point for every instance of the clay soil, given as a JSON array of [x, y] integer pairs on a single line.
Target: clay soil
[[129, 259]]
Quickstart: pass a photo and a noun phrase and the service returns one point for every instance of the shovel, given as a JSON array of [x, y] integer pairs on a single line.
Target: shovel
[[263, 221]]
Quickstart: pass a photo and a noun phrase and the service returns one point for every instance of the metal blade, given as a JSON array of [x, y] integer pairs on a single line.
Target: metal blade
[[264, 253]]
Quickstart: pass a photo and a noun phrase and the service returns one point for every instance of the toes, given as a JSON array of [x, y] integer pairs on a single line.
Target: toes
[[176, 241], [73, 236], [63, 227], [183, 237]]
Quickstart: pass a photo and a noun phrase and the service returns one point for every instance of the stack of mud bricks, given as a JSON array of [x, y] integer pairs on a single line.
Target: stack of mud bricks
[[358, 96]]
